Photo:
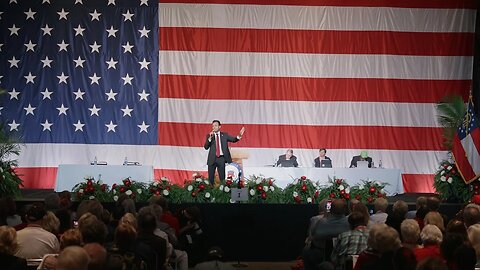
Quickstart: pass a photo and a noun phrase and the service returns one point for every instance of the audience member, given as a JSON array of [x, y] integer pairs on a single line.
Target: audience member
[[457, 226], [383, 243], [93, 207], [92, 229], [432, 263], [34, 241], [71, 237], [8, 247], [471, 215], [147, 223], [51, 223], [362, 208], [399, 210], [52, 202], [97, 254], [431, 238], [410, 232], [127, 203], [313, 220], [433, 204], [380, 215], [435, 218], [474, 237], [192, 237], [420, 203], [167, 216], [448, 247], [465, 257], [72, 258]]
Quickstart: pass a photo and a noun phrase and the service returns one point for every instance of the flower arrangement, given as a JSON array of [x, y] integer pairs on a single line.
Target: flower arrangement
[[222, 193], [450, 186], [164, 188], [197, 190], [337, 189], [263, 190], [133, 189], [301, 190], [91, 189], [368, 191]]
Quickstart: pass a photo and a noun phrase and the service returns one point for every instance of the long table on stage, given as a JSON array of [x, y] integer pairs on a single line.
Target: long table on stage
[[353, 176], [70, 174]]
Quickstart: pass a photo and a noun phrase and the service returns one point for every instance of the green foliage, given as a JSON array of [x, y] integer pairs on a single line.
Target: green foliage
[[338, 189], [91, 189], [302, 190], [197, 190], [449, 184], [223, 192], [450, 115], [164, 188], [369, 191], [135, 190], [263, 190]]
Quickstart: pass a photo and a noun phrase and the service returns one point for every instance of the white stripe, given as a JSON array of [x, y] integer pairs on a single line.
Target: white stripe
[[316, 17], [194, 158], [298, 112], [315, 65], [473, 154]]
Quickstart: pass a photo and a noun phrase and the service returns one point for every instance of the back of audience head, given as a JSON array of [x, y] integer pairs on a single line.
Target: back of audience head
[[159, 200], [431, 263], [71, 237], [146, 220], [92, 229], [433, 203], [400, 209], [381, 204], [65, 199], [193, 214], [130, 219], [431, 235], [125, 236], [127, 203], [338, 207], [421, 202], [90, 206], [52, 202], [73, 258], [351, 204], [8, 240], [410, 231], [434, 218], [51, 223], [362, 208], [465, 257], [449, 244], [457, 226], [372, 242], [471, 215], [97, 254], [387, 240], [356, 219], [35, 213], [322, 210]]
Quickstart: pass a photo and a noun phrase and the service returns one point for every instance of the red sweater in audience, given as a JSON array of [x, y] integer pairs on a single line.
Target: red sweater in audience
[[171, 220], [428, 251]]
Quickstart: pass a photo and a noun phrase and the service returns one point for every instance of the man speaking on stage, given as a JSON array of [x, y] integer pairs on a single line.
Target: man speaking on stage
[[219, 153]]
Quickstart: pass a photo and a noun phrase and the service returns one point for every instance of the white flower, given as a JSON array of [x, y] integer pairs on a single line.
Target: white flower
[[449, 180], [155, 183], [442, 172], [128, 192], [258, 181], [115, 198], [91, 197], [164, 178], [295, 182], [309, 200], [190, 188], [220, 187], [361, 187], [449, 168], [272, 188], [139, 191], [265, 188], [232, 201], [252, 192], [443, 178], [80, 191], [194, 174], [198, 180], [347, 190], [226, 189], [341, 187], [206, 182], [1, 170], [295, 194], [378, 183], [165, 192], [114, 191], [207, 195]]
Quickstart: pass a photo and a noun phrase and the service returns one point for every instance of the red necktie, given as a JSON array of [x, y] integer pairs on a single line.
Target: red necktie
[[217, 141]]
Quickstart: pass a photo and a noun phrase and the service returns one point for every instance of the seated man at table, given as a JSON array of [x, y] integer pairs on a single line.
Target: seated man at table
[[287, 160], [321, 157], [362, 157]]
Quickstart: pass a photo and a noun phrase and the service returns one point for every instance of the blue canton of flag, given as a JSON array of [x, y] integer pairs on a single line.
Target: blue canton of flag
[[470, 122], [80, 71]]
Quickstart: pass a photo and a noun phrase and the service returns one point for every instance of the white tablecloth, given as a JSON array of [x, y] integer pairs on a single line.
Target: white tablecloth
[[353, 176], [70, 174]]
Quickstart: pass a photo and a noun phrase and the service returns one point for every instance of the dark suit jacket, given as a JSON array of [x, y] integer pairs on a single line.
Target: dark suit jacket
[[212, 145], [353, 163], [282, 160], [317, 161], [12, 262]]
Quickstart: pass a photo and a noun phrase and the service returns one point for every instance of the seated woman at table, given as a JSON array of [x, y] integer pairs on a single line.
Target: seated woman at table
[[287, 160], [321, 157]]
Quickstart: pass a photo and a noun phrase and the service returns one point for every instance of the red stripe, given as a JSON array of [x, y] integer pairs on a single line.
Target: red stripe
[[469, 4], [307, 137], [324, 89], [311, 41], [419, 183], [461, 160], [38, 177]]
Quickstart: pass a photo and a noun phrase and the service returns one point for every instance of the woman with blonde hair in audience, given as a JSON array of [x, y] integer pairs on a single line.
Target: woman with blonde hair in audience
[[130, 219], [73, 258], [8, 247], [51, 223], [431, 238], [410, 231], [434, 218]]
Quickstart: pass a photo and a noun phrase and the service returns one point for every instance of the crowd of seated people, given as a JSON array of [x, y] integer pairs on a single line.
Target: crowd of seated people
[[396, 240], [53, 235]]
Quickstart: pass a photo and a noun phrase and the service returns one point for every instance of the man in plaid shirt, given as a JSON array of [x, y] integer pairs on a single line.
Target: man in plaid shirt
[[351, 242]]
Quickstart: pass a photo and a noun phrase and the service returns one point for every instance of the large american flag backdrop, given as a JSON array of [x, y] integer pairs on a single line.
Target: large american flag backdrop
[[143, 80]]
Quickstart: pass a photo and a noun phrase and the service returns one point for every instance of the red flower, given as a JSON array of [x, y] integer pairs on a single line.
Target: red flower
[[339, 181], [127, 182], [201, 186], [372, 190], [358, 197], [259, 187], [104, 187], [241, 184], [379, 195], [476, 198], [194, 194], [298, 199], [198, 176], [332, 195], [475, 187], [370, 199], [316, 194], [114, 186], [167, 188], [453, 171], [304, 188], [229, 182], [347, 196], [157, 192], [122, 189], [89, 183], [264, 195], [303, 177], [270, 182]]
